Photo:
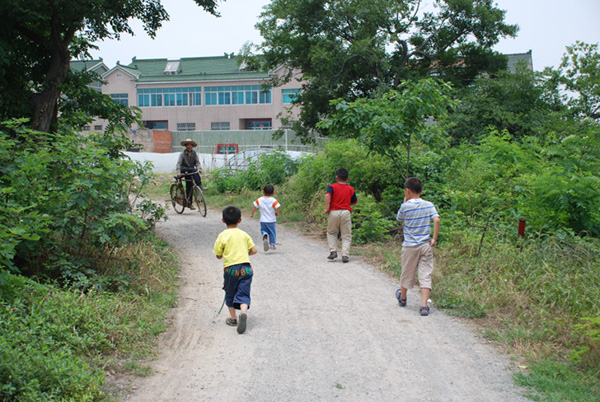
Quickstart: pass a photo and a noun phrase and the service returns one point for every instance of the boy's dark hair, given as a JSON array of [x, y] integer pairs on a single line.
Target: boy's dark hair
[[414, 184], [232, 215], [342, 174], [269, 189]]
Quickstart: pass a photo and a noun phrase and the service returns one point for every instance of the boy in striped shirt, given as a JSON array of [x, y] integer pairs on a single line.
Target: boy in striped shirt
[[417, 254]]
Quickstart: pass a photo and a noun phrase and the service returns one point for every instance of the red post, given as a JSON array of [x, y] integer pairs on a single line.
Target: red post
[[521, 227]]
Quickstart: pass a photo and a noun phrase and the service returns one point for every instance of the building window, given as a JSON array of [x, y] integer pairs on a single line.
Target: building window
[[262, 124], [237, 95], [290, 95], [144, 100], [158, 97], [123, 99], [169, 99], [156, 124], [186, 126], [86, 128], [220, 125], [98, 127]]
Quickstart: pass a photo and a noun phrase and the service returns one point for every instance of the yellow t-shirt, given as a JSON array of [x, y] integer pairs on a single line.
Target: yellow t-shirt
[[233, 245]]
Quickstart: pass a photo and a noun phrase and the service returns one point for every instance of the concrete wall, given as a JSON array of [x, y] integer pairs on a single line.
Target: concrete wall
[[158, 141]]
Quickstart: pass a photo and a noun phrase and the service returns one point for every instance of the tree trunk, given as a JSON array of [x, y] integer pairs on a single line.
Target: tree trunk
[[45, 102]]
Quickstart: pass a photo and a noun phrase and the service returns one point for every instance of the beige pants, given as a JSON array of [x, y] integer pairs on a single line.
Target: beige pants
[[340, 221], [417, 261]]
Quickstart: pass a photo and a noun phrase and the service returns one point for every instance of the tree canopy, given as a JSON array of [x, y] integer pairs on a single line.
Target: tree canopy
[[354, 49], [39, 38], [578, 78]]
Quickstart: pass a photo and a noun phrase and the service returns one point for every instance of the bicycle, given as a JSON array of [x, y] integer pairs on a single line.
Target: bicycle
[[179, 200]]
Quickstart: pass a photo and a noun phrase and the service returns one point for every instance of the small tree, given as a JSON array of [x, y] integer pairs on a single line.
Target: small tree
[[388, 124], [579, 78]]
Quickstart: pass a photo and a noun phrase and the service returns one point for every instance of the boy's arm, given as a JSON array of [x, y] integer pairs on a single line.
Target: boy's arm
[[252, 213], [327, 202], [219, 257], [353, 200], [436, 230], [252, 251]]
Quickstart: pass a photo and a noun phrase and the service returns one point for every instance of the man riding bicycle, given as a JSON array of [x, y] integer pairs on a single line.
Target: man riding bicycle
[[189, 162]]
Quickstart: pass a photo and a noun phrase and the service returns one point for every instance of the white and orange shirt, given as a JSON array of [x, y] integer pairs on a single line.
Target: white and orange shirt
[[267, 206]]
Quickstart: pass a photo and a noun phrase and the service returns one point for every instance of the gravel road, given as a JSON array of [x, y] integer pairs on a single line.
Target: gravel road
[[317, 331]]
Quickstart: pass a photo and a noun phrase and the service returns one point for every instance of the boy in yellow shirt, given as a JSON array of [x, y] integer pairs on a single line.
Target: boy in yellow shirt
[[235, 247]]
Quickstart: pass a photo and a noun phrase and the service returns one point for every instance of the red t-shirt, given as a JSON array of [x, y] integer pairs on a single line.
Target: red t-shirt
[[342, 196]]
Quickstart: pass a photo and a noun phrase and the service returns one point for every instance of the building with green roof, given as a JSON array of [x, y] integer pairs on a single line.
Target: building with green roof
[[200, 94]]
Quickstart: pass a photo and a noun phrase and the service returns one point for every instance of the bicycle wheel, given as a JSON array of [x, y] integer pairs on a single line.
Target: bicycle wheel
[[199, 200], [178, 197]]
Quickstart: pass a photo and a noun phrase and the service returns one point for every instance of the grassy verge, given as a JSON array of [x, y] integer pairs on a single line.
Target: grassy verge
[[61, 344], [540, 303]]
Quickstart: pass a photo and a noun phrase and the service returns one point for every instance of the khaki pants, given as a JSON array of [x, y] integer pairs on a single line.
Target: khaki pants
[[340, 221], [417, 260]]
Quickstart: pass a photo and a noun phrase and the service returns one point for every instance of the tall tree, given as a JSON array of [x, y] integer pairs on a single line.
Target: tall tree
[[517, 102], [578, 79], [39, 38], [359, 48]]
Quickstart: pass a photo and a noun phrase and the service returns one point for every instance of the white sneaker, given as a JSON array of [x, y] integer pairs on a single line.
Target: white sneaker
[[266, 242]]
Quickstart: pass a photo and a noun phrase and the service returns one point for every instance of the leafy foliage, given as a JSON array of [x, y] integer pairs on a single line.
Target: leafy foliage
[[579, 77], [56, 343], [514, 102], [358, 49], [269, 168], [39, 39], [370, 225], [388, 124], [70, 204]]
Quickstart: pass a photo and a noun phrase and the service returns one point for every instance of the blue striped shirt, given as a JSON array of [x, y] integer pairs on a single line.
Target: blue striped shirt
[[416, 215]]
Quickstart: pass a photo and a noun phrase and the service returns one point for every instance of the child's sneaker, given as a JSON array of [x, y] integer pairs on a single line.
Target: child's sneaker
[[272, 246], [232, 322], [242, 325], [266, 242]]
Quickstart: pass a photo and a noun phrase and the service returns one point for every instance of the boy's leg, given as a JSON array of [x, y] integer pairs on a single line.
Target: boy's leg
[[425, 292], [410, 261], [243, 298], [425, 271], [269, 228], [346, 231], [333, 228], [230, 287], [265, 235]]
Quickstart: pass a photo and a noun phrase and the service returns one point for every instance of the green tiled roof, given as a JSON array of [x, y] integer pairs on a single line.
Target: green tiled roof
[[81, 65], [192, 69]]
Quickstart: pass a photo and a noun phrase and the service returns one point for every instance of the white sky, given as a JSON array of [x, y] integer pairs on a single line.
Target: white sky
[[546, 27]]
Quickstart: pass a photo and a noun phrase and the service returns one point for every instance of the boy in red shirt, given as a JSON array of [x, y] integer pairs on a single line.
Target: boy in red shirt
[[338, 201]]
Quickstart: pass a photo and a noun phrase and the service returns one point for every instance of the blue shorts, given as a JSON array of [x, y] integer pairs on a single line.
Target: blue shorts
[[238, 280], [268, 228]]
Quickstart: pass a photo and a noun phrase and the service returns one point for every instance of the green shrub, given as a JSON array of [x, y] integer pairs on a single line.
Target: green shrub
[[68, 203], [370, 225]]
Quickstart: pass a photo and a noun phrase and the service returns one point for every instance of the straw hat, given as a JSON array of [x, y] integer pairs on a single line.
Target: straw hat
[[188, 141]]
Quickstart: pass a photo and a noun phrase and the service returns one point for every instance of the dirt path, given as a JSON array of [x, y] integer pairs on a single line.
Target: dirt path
[[317, 331]]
